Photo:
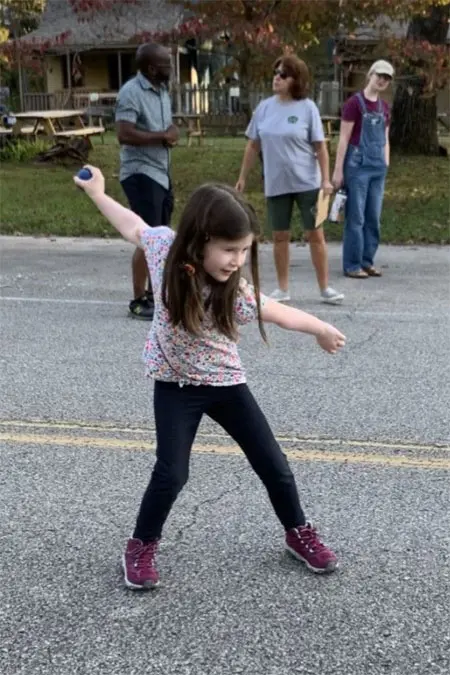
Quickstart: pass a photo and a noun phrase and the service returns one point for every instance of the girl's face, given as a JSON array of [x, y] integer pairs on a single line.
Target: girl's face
[[380, 82], [281, 81], [222, 257]]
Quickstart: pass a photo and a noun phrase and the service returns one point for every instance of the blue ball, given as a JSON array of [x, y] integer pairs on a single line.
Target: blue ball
[[85, 174]]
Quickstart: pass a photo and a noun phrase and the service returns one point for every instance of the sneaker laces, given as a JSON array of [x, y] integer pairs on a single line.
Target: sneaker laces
[[308, 535], [145, 555], [144, 300]]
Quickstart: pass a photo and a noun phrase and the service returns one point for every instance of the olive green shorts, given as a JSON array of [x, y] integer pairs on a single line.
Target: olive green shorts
[[279, 210]]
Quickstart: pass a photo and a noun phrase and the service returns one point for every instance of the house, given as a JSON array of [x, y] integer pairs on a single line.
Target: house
[[97, 54]]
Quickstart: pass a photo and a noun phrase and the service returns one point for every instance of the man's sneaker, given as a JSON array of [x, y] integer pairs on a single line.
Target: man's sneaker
[[139, 565], [304, 544], [142, 308], [280, 296], [330, 296]]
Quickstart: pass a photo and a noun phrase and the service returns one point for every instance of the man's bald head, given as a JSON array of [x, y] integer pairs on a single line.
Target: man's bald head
[[154, 62]]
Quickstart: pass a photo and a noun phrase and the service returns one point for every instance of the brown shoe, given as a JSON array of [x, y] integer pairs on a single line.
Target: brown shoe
[[373, 272], [357, 274]]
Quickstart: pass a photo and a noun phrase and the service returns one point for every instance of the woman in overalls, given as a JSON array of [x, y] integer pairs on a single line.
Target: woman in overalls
[[361, 165]]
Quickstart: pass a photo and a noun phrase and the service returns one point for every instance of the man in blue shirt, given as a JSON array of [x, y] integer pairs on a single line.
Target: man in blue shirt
[[146, 133]]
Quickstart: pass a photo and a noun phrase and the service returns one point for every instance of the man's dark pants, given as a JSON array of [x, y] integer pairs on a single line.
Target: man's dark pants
[[149, 200]]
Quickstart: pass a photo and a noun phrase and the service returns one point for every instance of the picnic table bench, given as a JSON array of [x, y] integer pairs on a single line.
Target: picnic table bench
[[24, 131], [85, 132]]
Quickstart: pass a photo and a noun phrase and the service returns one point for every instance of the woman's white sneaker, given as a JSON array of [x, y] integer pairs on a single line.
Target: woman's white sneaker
[[280, 296], [330, 296]]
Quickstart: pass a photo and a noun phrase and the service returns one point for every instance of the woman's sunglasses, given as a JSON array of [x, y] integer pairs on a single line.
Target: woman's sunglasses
[[281, 73]]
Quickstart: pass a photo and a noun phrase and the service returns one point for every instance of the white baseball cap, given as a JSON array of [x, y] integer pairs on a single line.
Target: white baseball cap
[[382, 68]]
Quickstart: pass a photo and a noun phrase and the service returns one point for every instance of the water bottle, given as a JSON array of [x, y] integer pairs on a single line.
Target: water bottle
[[337, 206]]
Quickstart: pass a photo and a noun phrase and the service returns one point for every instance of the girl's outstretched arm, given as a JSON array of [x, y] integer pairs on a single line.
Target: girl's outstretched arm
[[290, 318], [127, 223]]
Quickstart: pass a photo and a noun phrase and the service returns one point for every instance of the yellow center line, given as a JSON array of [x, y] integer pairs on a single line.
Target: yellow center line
[[311, 440], [230, 450]]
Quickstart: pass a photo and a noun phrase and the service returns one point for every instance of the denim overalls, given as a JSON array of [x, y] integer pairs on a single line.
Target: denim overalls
[[364, 176]]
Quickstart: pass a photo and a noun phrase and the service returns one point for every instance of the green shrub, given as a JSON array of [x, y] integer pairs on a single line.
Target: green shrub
[[22, 150]]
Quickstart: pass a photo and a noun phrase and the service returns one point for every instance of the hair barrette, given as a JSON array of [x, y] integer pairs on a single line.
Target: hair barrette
[[189, 269]]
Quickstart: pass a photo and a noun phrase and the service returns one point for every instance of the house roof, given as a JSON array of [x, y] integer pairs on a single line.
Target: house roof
[[114, 28], [383, 26]]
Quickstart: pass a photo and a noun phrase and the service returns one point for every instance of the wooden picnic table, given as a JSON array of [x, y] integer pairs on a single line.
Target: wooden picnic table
[[193, 124], [50, 122]]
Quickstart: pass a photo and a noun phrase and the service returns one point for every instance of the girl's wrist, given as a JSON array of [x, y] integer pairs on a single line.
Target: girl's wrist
[[97, 195], [321, 329], [316, 327]]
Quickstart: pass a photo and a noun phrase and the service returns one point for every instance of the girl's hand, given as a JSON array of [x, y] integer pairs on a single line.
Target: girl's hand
[[327, 187], [95, 185], [240, 185], [330, 339], [338, 179]]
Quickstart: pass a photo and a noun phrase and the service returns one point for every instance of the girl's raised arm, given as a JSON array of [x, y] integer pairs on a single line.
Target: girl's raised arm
[[127, 223]]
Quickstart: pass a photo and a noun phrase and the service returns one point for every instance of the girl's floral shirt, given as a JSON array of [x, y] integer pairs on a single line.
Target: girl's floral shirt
[[171, 353]]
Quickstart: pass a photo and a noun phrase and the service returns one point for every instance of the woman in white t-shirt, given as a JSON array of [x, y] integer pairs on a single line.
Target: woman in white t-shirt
[[287, 129]]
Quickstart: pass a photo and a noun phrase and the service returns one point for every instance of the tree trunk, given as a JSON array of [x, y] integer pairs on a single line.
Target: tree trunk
[[414, 127], [244, 100], [244, 84], [244, 67], [414, 121]]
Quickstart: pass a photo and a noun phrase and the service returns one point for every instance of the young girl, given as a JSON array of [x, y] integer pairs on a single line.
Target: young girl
[[191, 353]]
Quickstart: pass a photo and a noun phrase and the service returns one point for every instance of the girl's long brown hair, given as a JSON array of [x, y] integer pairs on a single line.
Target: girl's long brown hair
[[213, 211]]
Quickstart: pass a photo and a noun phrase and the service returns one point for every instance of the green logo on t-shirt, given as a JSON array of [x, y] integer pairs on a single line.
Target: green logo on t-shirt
[[293, 119]]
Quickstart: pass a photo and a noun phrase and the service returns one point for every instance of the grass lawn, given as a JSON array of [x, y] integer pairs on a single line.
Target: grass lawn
[[42, 200]]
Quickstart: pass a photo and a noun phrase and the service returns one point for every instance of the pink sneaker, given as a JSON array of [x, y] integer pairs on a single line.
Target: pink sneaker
[[139, 565], [304, 544]]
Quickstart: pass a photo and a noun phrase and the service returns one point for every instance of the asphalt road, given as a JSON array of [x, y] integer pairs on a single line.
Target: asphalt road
[[367, 433]]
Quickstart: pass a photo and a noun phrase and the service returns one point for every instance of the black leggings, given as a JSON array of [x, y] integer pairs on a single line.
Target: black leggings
[[178, 411]]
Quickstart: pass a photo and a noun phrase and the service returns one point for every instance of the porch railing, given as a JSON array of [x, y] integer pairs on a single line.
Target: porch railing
[[185, 99], [58, 100], [210, 102]]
